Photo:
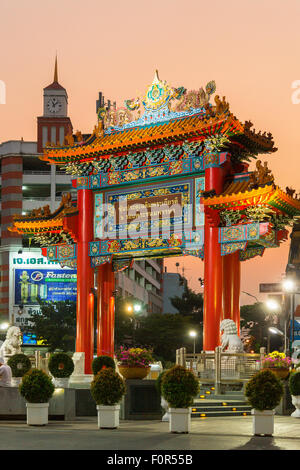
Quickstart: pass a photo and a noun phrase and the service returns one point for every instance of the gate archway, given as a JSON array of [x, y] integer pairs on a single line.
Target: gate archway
[[172, 181]]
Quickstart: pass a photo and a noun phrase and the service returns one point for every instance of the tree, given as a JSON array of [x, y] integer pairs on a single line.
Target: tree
[[124, 324], [190, 304], [256, 320], [55, 325], [164, 333]]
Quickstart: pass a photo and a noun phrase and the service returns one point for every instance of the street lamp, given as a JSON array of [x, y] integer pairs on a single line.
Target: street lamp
[[193, 334], [275, 331]]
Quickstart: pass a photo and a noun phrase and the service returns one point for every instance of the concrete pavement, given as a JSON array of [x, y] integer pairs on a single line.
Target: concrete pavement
[[234, 433]]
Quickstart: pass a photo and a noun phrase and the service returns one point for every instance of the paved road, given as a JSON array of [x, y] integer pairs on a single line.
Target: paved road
[[234, 433]]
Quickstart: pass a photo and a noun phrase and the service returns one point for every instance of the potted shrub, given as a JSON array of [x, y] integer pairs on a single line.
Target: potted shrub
[[61, 366], [102, 362], [107, 389], [294, 386], [279, 363], [37, 389], [179, 388], [19, 364], [134, 363], [264, 392], [163, 403]]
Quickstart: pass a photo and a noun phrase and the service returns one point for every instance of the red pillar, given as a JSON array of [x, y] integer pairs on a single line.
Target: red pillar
[[213, 263], [106, 310], [85, 279], [231, 287], [213, 278]]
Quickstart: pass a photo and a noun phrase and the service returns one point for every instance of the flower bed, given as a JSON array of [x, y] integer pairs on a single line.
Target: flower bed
[[276, 360], [134, 357]]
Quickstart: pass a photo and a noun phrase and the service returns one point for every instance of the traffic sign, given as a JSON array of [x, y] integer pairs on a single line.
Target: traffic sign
[[273, 287]]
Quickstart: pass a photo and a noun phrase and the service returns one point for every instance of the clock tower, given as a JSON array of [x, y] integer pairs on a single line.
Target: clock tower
[[55, 124]]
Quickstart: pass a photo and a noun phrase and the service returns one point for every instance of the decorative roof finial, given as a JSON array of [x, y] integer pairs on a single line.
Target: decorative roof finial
[[156, 77], [55, 70]]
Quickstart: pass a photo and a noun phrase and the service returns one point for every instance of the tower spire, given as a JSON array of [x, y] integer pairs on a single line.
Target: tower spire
[[55, 70]]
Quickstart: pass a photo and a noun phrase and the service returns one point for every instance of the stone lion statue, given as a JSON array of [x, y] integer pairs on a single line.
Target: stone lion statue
[[12, 343], [230, 339]]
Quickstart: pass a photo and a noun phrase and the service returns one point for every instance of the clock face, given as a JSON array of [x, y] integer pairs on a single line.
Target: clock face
[[54, 105]]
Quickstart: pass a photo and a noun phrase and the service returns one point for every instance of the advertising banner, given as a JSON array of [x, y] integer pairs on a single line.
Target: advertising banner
[[45, 284]]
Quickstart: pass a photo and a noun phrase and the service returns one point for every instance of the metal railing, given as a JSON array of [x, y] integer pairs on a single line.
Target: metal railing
[[221, 367]]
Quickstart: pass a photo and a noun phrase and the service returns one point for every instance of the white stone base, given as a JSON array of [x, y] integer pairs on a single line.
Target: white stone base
[[61, 382], [81, 379], [15, 381]]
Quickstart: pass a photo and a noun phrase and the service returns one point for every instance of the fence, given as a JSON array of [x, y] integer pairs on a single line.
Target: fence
[[221, 367], [40, 362]]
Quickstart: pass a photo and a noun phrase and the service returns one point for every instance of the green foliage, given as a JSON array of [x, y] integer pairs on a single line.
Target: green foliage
[[107, 387], [55, 325], [190, 304], [101, 361], [257, 319], [163, 333], [36, 387], [19, 364], [158, 382], [61, 365], [294, 383], [124, 325], [264, 390], [179, 387]]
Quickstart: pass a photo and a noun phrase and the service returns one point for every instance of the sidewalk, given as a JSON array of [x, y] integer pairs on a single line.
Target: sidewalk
[[234, 433]]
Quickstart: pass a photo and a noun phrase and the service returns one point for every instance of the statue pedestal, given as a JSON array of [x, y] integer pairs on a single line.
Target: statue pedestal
[[79, 377]]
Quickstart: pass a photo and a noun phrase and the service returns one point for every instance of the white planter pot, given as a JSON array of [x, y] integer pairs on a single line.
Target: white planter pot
[[108, 416], [180, 420], [296, 403], [263, 422], [165, 406], [61, 382], [37, 414]]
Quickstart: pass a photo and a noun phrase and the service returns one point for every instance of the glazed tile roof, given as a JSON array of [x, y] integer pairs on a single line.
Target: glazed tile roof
[[189, 128]]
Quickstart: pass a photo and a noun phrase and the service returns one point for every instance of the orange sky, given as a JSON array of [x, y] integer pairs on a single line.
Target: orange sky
[[249, 47]]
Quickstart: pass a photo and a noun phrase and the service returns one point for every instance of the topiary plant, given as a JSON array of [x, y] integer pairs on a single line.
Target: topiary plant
[[294, 383], [102, 361], [159, 381], [107, 387], [264, 390], [36, 386], [179, 387], [19, 364], [61, 365]]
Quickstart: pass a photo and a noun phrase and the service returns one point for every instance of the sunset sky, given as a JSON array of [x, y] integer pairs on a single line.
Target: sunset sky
[[251, 48]]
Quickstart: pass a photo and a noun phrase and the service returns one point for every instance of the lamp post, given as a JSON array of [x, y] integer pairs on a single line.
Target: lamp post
[[276, 331], [193, 335], [250, 295], [132, 309], [289, 287], [272, 306]]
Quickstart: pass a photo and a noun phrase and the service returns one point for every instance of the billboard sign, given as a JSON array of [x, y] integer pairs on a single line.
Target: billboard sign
[[31, 277], [46, 284]]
